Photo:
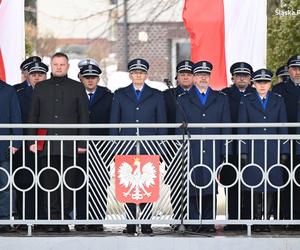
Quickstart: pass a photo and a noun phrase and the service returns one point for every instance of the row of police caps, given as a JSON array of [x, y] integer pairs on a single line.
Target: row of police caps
[[90, 67]]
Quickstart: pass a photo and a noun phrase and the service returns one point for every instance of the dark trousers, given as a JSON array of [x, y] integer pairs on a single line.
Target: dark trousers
[[207, 207], [146, 212], [23, 180], [98, 184], [228, 176], [258, 205], [49, 180], [285, 196]]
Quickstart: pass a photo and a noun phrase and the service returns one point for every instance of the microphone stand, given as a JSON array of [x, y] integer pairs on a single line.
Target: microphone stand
[[185, 138], [184, 126]]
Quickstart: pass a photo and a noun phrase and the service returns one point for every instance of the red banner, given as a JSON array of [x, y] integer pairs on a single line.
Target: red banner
[[2, 69], [137, 178], [204, 20]]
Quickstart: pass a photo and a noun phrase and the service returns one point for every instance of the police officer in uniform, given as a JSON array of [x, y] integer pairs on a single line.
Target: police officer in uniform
[[24, 70], [290, 90], [184, 79], [262, 106], [99, 99], [36, 72], [138, 103], [204, 105], [241, 77], [282, 74], [9, 113]]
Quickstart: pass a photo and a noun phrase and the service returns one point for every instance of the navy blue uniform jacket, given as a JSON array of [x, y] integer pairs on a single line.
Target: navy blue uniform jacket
[[171, 96], [215, 110], [99, 109], [149, 109], [251, 111], [9, 113]]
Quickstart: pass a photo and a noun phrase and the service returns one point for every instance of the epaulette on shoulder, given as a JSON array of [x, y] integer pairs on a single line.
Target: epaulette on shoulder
[[182, 94], [280, 96], [248, 94], [18, 90], [222, 93], [105, 89]]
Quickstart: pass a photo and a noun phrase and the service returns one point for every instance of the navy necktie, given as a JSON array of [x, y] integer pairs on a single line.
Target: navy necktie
[[90, 96], [264, 100], [137, 91]]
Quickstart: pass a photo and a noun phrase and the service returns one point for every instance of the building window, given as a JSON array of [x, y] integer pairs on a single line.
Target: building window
[[181, 50]]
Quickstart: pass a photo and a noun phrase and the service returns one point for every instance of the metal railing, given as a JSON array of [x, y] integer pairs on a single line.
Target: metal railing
[[178, 166]]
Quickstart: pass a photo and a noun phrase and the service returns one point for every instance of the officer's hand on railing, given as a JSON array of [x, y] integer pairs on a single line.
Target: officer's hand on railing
[[284, 159], [32, 148], [13, 150], [81, 150], [244, 159]]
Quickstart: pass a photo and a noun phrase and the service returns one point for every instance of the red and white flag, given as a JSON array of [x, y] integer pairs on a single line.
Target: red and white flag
[[137, 178], [12, 45], [227, 31]]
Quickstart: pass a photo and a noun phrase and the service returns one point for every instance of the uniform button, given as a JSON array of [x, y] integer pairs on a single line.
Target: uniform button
[[136, 133], [56, 100], [137, 120], [56, 134], [56, 116], [56, 84], [265, 129], [203, 151], [265, 117], [203, 115], [137, 108]]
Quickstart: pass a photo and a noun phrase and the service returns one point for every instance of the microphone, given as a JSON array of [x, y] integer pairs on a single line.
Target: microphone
[[168, 83]]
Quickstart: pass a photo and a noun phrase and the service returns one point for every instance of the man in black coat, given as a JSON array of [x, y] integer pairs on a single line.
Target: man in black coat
[[59, 100], [241, 78], [36, 73], [99, 99], [290, 90]]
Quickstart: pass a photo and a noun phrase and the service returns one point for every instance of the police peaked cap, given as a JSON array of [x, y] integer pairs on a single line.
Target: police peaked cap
[[90, 70], [24, 65], [262, 75], [241, 68], [37, 67], [282, 71], [138, 64], [202, 67], [185, 66]]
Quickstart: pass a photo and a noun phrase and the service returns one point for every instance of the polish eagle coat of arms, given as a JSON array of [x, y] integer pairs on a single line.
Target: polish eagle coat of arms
[[137, 178]]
